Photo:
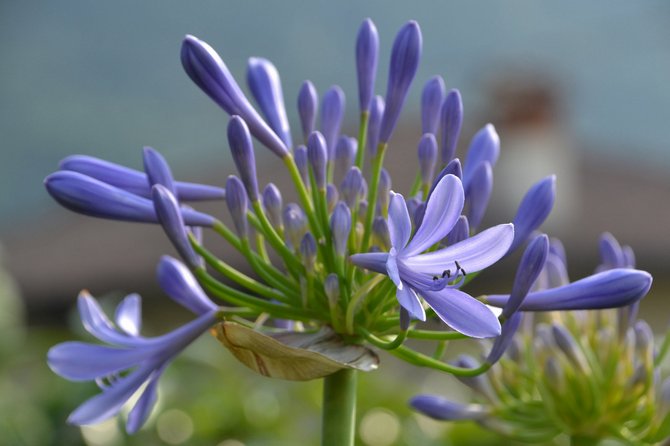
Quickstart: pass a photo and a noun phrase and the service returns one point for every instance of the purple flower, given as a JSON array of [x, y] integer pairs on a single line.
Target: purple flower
[[427, 153], [205, 67], [429, 275], [167, 211], [485, 146], [332, 112], [534, 209], [242, 149], [451, 119], [178, 282], [478, 192], [158, 170], [317, 154], [376, 113], [405, 57], [85, 195], [367, 52], [265, 85], [145, 360], [431, 103], [308, 100], [608, 289], [134, 181]]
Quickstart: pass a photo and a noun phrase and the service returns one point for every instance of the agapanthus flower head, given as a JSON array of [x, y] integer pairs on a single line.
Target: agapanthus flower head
[[348, 263]]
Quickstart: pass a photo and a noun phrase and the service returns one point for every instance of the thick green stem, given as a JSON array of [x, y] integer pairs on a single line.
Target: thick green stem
[[339, 408], [580, 440]]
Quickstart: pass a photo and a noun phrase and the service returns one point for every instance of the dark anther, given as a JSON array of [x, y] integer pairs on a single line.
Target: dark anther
[[446, 273], [459, 267], [436, 278]]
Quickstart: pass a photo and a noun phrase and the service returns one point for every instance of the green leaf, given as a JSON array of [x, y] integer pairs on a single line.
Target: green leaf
[[294, 356]]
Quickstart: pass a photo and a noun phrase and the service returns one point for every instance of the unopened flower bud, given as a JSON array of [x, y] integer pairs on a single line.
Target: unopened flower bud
[[308, 251], [207, 70], [308, 101], [238, 205], [332, 197], [534, 209], [431, 103], [272, 202], [295, 224], [405, 56], [485, 146], [318, 158], [460, 231], [302, 163], [442, 409], [380, 230], [427, 157], [451, 120], [352, 187], [345, 153], [340, 226], [265, 85], [376, 113], [611, 254], [478, 193], [529, 269], [158, 170], [367, 52], [332, 288], [509, 329], [384, 191], [568, 345], [332, 112], [241, 147], [167, 210]]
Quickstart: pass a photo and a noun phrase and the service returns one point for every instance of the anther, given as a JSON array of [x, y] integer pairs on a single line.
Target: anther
[[446, 273]]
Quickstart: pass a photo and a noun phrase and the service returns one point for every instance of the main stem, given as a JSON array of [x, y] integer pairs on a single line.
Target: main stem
[[579, 440], [339, 408]]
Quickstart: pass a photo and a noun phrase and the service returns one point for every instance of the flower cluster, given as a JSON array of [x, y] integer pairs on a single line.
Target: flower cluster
[[591, 375], [350, 264]]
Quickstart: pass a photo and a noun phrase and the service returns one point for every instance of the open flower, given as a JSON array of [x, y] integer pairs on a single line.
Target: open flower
[[146, 358], [430, 275]]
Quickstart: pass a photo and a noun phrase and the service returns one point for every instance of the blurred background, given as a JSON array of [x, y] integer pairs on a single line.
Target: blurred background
[[573, 88]]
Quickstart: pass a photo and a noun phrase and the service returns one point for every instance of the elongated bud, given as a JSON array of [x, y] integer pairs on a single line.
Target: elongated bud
[[478, 193], [352, 187], [384, 194], [332, 197], [405, 57], [134, 181], [85, 195], [380, 230], [169, 216], [345, 153], [427, 157], [376, 113], [611, 254], [419, 211], [332, 112], [460, 231], [628, 256], [608, 289], [529, 269], [332, 288], [340, 226], [568, 345], [300, 155], [308, 102], [265, 85], [178, 283], [556, 248], [205, 67], [431, 103], [238, 205], [442, 409], [533, 210], [318, 158], [308, 251], [157, 169], [451, 120], [485, 146], [553, 373], [272, 202], [452, 168], [509, 329], [367, 53], [242, 150], [644, 341], [295, 225], [555, 271]]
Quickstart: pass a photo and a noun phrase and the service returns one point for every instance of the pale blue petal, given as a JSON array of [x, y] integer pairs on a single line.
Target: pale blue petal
[[410, 301], [374, 261], [442, 210], [392, 269], [473, 254], [400, 225], [109, 402], [444, 409], [142, 409], [608, 289], [97, 323], [179, 283], [463, 313], [78, 361], [128, 314]]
